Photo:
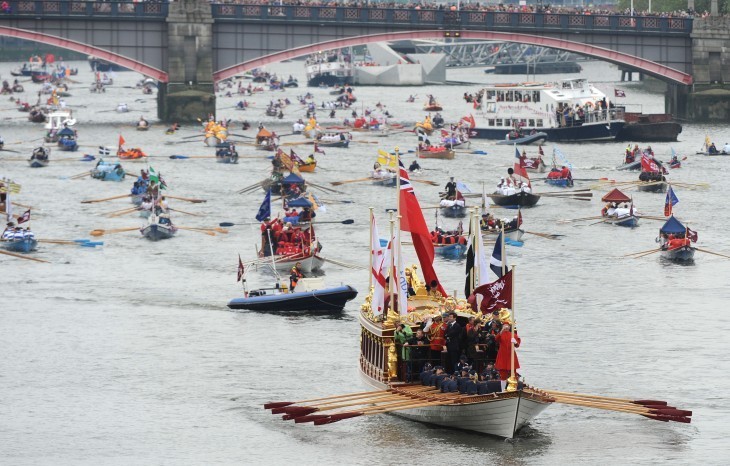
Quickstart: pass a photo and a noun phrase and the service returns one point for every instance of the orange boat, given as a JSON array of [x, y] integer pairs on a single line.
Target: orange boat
[[131, 154]]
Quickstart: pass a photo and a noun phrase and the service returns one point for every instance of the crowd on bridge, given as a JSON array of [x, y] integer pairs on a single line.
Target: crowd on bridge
[[477, 6]]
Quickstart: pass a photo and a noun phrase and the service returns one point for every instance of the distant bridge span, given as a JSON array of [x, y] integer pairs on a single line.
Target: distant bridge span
[[659, 71], [75, 46]]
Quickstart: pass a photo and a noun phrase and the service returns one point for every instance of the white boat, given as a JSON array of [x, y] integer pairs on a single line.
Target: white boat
[[58, 118], [331, 70], [567, 110], [284, 264]]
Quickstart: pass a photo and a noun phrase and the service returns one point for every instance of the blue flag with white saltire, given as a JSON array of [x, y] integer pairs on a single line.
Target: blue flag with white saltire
[[265, 209], [496, 261], [517, 153]]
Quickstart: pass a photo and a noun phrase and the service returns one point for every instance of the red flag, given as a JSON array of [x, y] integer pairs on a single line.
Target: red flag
[[412, 221], [619, 93], [497, 294], [539, 150], [691, 234], [522, 173], [121, 141], [648, 164], [240, 269], [25, 217], [469, 120]]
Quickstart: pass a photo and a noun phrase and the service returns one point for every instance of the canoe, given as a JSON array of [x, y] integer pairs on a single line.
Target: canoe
[[273, 300], [538, 138], [712, 155], [514, 234], [143, 128], [156, 231], [681, 254], [450, 251], [307, 167], [433, 108], [652, 186], [521, 199], [131, 155], [20, 245], [324, 143], [445, 154]]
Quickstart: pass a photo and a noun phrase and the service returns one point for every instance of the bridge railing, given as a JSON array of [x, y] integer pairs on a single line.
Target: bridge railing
[[464, 19], [66, 8]]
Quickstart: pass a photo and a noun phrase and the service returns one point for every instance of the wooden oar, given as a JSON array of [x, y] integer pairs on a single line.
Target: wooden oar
[[125, 212], [186, 213], [102, 232], [570, 220], [80, 175], [345, 264], [20, 256], [713, 253], [567, 194], [544, 235], [338, 183], [600, 397], [187, 199], [129, 209], [206, 232], [282, 404], [641, 252], [646, 254], [180, 157], [84, 244], [106, 199]]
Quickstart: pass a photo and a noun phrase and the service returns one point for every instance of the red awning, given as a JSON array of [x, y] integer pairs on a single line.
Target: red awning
[[616, 196]]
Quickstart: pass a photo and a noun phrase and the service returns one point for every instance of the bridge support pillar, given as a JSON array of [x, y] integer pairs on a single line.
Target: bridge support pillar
[[709, 99], [190, 93]]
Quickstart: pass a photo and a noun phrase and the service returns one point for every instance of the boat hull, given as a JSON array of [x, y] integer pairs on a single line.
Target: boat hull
[[329, 81], [630, 221], [450, 251], [592, 132], [537, 138], [653, 187], [443, 155], [344, 144], [502, 416], [521, 199], [683, 254], [20, 245], [666, 131], [226, 159], [455, 211], [559, 182], [387, 182], [107, 175], [284, 265], [325, 300], [514, 234], [636, 165], [156, 232], [35, 163]]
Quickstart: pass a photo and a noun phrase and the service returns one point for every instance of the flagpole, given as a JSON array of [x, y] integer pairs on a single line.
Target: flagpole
[[504, 259], [477, 246], [512, 381], [372, 252], [391, 287]]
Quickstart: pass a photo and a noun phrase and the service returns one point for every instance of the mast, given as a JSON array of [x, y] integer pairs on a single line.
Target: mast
[[370, 286], [391, 286], [396, 246], [512, 381]]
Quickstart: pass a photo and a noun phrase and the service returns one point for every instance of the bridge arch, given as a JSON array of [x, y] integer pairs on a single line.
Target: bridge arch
[[661, 72], [75, 46]]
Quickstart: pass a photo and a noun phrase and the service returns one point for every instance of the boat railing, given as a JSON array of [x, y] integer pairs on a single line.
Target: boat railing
[[595, 116]]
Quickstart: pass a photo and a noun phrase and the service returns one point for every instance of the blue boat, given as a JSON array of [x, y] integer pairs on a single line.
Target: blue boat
[[108, 171], [25, 244], [39, 158], [559, 182], [673, 240], [159, 227], [450, 251], [225, 153], [67, 140], [278, 300]]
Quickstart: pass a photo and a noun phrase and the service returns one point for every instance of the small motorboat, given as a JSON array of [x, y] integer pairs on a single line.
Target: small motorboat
[[40, 157], [310, 295], [522, 140]]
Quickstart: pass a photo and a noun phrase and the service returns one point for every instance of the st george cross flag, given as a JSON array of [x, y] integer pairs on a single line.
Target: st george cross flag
[[496, 261], [496, 295], [265, 209], [240, 269], [412, 221], [669, 202], [619, 93], [379, 285], [25, 217]]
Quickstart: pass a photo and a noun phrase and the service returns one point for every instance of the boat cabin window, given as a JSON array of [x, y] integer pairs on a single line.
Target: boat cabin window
[[531, 122], [498, 122], [510, 97], [523, 122], [539, 123], [491, 95], [507, 122], [500, 96], [536, 96], [518, 96], [491, 107], [490, 122]]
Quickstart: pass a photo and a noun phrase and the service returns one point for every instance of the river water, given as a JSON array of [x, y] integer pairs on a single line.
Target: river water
[[127, 354]]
